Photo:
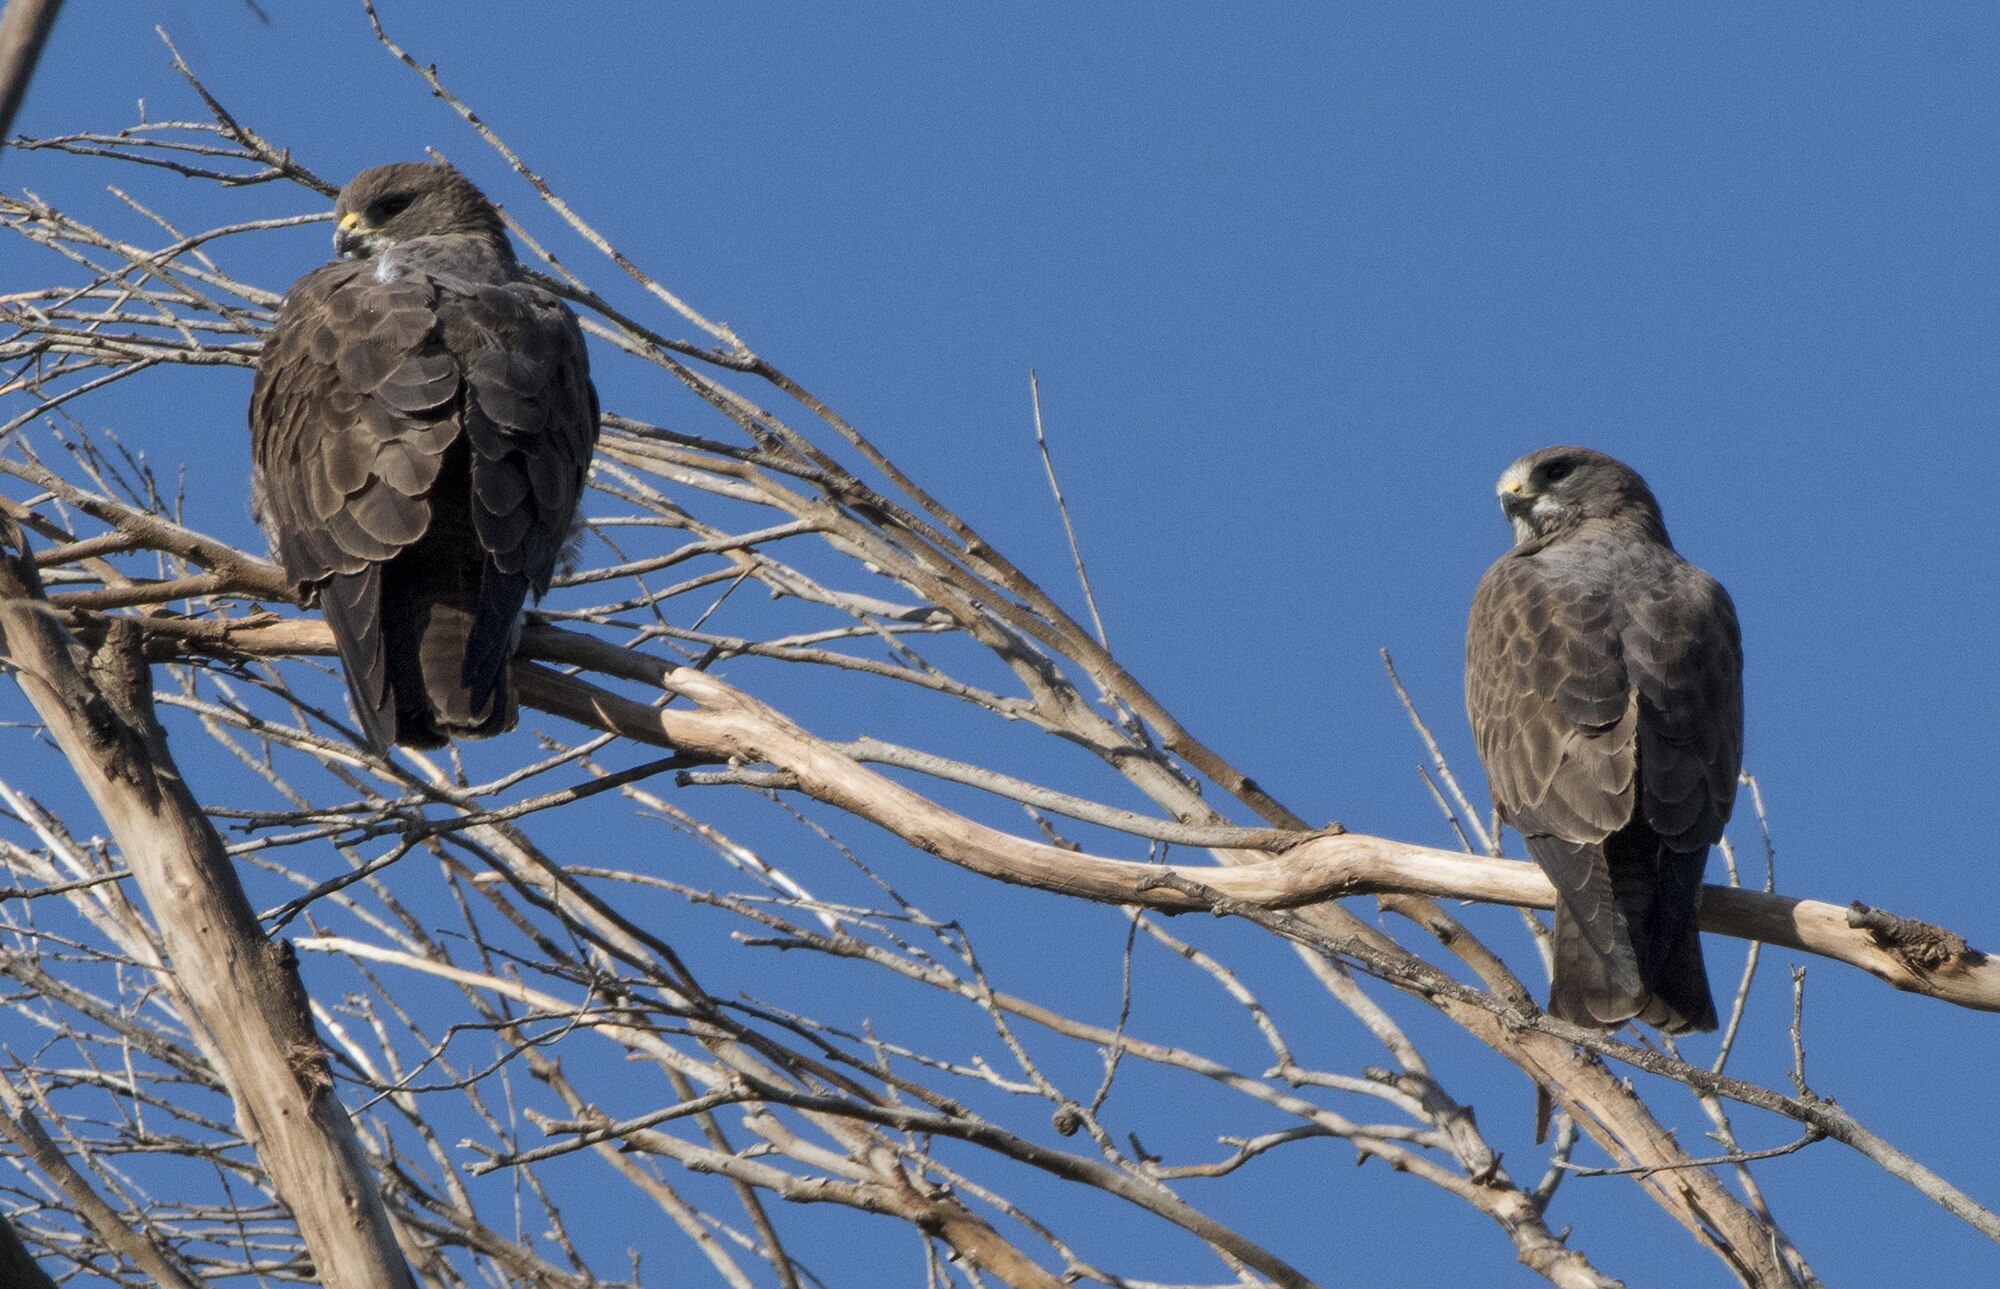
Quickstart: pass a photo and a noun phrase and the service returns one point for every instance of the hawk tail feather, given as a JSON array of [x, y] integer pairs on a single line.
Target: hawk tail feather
[[447, 697], [432, 616], [422, 665], [1667, 941], [496, 629], [1589, 986], [1627, 939]]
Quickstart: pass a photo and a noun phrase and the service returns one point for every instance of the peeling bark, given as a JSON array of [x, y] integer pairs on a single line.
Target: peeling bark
[[97, 705]]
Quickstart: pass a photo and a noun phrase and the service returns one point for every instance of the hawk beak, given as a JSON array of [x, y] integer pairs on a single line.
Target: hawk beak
[[348, 237], [1515, 499]]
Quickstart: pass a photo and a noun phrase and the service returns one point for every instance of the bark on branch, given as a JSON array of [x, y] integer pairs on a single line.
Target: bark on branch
[[236, 988], [730, 724]]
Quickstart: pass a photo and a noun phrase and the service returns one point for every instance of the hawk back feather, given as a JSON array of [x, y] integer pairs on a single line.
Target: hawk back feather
[[422, 424]]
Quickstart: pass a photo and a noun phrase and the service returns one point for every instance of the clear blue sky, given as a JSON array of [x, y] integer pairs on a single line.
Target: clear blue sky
[[1299, 281]]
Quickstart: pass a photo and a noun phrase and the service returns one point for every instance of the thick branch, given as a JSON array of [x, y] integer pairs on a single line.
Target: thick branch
[[23, 28], [730, 724], [1314, 867], [98, 708]]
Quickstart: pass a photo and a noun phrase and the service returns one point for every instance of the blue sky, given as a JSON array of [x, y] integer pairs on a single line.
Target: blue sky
[[1299, 281]]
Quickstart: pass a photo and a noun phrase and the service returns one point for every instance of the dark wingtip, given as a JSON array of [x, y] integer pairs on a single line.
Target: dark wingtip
[[490, 646], [352, 604], [1681, 1002]]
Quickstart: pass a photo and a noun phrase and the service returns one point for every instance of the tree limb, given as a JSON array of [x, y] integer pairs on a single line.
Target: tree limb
[[98, 708]]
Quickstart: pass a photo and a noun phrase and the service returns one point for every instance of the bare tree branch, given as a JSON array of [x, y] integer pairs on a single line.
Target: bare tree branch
[[470, 917], [99, 710], [24, 26]]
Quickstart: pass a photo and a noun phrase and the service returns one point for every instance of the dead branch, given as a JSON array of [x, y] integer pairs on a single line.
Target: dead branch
[[98, 707]]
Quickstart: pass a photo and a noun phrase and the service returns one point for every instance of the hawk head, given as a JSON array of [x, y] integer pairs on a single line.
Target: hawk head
[[1551, 491], [393, 204]]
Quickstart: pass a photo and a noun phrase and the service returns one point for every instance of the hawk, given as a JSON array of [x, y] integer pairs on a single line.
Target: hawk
[[421, 425], [1604, 679]]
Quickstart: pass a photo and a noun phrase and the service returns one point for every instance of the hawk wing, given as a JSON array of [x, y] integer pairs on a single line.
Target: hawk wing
[[1684, 652], [1586, 687], [1552, 709], [420, 447], [531, 422], [352, 412]]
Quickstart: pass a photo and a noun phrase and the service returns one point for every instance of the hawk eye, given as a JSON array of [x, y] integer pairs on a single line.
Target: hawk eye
[[1557, 470], [390, 207]]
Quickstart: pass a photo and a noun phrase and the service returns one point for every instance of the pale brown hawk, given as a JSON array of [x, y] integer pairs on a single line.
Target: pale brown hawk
[[1604, 678], [422, 422]]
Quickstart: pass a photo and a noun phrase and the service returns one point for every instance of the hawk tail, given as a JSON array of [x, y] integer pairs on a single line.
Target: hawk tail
[[1595, 978], [1588, 986], [1627, 935], [448, 671], [449, 699], [425, 661]]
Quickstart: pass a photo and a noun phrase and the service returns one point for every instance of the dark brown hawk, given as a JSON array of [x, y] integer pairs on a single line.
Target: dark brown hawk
[[1604, 678], [422, 422]]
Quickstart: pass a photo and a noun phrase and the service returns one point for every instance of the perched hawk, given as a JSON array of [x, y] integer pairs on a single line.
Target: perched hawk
[[421, 424], [1604, 678]]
